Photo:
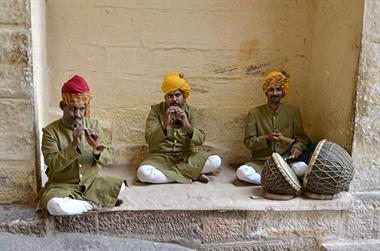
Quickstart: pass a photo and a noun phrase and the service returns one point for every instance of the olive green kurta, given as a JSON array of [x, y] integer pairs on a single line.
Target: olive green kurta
[[261, 121], [174, 153], [73, 174]]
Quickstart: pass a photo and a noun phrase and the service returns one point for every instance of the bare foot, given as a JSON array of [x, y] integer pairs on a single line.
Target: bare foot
[[203, 178], [118, 202]]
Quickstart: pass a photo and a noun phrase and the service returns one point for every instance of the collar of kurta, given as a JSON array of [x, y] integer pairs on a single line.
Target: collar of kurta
[[270, 110]]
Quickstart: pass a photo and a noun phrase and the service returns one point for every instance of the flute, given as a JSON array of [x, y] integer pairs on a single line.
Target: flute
[[78, 124]]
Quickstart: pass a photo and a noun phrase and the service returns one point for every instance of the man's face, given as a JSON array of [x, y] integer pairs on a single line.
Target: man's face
[[72, 112], [175, 98], [275, 94]]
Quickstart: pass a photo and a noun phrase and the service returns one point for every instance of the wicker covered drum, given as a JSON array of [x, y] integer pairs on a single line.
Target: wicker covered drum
[[278, 180], [329, 172]]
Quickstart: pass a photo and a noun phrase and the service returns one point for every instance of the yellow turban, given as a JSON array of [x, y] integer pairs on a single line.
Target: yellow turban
[[276, 78], [175, 81]]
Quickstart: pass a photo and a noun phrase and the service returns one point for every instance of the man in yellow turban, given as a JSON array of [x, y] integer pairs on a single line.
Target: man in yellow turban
[[274, 127], [172, 131]]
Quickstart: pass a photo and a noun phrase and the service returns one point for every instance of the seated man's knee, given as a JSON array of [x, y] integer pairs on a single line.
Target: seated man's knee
[[213, 163], [150, 174], [299, 168], [144, 173], [248, 174], [215, 160], [68, 206], [55, 206]]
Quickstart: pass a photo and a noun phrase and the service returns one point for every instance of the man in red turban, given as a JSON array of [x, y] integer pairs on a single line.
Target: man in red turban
[[74, 151]]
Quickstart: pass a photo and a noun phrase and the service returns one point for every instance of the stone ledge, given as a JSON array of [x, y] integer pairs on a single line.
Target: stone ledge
[[274, 245], [194, 228], [210, 216], [350, 245], [22, 219]]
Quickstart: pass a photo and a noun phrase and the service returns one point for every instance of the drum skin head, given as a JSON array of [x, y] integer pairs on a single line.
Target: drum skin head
[[286, 171]]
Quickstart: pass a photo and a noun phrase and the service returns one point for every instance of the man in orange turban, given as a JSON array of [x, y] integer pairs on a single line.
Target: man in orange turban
[[74, 151], [172, 130], [274, 127]]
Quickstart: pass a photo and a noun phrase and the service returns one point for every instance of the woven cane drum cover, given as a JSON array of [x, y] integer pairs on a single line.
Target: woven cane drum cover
[[330, 169], [278, 178]]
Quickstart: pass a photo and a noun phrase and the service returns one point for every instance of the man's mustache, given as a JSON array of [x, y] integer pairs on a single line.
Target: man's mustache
[[175, 104]]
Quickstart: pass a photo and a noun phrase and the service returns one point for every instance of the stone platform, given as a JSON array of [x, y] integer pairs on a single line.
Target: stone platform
[[224, 214]]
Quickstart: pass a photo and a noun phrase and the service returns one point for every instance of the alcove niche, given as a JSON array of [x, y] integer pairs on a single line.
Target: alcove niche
[[224, 48]]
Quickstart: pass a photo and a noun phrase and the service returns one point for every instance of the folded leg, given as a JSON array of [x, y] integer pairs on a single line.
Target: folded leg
[[68, 206], [248, 174], [150, 174], [213, 163]]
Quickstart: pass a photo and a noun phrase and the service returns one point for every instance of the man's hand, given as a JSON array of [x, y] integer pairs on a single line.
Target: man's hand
[[167, 116], [274, 136], [295, 153], [92, 138], [182, 116], [77, 133]]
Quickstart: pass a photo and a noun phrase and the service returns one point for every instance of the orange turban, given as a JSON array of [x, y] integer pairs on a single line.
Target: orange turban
[[77, 92], [276, 78], [175, 81]]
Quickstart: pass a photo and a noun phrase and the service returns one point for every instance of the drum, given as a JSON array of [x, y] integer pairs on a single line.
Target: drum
[[329, 172], [278, 180]]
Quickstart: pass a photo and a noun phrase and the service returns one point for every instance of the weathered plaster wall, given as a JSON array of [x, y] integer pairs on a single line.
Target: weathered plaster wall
[[336, 29], [17, 135], [124, 48], [366, 144], [363, 219]]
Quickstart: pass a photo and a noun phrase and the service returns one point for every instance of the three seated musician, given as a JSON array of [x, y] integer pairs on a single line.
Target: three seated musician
[[74, 150], [274, 127], [172, 130]]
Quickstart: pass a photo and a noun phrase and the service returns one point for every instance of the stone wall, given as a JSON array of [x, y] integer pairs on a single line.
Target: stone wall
[[17, 119], [366, 144], [364, 217], [223, 47]]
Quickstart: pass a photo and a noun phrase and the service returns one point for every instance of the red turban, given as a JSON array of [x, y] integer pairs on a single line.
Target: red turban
[[76, 92]]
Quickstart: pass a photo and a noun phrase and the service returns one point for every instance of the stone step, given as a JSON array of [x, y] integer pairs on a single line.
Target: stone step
[[351, 245], [22, 219], [260, 223]]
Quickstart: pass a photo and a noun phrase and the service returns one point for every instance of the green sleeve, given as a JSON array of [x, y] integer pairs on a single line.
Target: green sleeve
[[105, 156], [198, 134], [55, 159], [153, 130], [252, 140], [301, 139]]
